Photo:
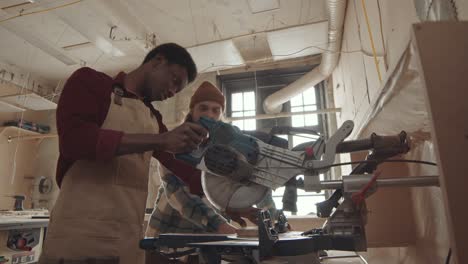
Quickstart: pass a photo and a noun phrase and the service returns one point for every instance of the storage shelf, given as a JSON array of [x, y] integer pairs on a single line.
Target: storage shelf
[[29, 101], [16, 133]]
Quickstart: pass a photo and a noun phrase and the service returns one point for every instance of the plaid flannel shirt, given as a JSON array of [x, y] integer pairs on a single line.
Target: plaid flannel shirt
[[178, 211]]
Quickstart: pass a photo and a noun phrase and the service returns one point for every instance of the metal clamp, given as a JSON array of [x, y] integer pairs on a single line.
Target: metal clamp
[[329, 156]]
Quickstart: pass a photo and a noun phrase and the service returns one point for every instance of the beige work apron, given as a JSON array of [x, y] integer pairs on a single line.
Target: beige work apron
[[100, 209]]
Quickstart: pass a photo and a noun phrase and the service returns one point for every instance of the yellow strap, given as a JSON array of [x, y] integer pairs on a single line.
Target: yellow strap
[[374, 53]]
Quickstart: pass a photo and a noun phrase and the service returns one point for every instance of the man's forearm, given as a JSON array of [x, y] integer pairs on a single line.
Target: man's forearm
[[139, 143], [190, 206]]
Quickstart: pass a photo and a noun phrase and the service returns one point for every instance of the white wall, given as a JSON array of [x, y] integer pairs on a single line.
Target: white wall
[[355, 80], [356, 83], [356, 88], [462, 8], [21, 161]]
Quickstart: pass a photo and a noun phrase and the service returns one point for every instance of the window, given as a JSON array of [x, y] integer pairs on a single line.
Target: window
[[305, 200], [303, 102], [245, 94], [243, 105]]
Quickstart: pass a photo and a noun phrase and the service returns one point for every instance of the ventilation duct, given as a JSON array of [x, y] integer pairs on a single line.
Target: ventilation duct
[[336, 14]]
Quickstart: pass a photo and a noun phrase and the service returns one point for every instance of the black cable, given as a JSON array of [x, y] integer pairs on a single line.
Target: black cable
[[382, 161], [447, 261]]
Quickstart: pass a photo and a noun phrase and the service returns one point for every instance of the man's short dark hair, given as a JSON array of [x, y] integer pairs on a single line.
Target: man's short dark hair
[[175, 54]]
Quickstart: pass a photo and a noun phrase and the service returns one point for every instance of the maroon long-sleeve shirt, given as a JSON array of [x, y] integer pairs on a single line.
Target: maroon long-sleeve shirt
[[81, 111]]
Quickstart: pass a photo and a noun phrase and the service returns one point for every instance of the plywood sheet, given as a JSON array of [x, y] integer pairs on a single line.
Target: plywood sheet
[[444, 62], [390, 218]]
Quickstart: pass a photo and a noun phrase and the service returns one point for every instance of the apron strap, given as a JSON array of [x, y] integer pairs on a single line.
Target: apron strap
[[120, 92], [157, 114]]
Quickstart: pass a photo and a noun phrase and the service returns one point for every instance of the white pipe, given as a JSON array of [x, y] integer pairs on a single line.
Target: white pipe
[[335, 13]]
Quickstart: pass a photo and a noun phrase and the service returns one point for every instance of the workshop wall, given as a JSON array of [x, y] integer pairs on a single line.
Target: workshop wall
[[359, 92], [356, 83], [45, 165], [24, 160], [462, 9], [355, 80]]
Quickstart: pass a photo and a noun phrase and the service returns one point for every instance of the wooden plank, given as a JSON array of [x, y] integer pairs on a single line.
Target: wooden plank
[[390, 221], [441, 48]]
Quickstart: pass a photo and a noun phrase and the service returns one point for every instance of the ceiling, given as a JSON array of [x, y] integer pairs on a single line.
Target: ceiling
[[52, 38]]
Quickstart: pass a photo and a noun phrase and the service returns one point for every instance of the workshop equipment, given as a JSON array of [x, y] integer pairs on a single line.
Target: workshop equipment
[[21, 235], [236, 161], [19, 199]]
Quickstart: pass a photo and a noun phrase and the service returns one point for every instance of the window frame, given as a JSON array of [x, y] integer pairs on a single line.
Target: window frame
[[246, 78]]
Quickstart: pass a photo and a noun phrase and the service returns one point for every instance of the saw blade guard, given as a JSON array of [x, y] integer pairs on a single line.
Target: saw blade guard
[[227, 194]]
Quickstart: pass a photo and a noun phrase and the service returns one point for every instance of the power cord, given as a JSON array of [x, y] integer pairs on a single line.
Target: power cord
[[449, 255]]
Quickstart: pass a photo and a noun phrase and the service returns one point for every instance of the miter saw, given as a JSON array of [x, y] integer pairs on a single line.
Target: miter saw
[[239, 170]]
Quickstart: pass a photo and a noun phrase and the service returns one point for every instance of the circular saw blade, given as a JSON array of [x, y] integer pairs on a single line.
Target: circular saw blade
[[224, 193]]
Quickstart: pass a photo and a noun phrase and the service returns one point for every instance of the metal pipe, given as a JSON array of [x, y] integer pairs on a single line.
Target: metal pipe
[[414, 181], [339, 257], [270, 116], [331, 185], [288, 114]]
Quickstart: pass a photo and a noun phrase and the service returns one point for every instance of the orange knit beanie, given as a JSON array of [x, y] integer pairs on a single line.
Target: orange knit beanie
[[207, 92]]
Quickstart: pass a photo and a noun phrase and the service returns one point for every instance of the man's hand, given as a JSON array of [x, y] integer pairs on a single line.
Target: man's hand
[[226, 228], [184, 138], [250, 213]]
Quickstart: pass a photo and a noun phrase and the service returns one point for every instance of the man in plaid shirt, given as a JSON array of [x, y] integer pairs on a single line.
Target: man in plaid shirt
[[179, 211], [181, 206]]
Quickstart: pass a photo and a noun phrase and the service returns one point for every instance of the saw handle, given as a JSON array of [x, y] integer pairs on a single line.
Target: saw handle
[[189, 157], [398, 143]]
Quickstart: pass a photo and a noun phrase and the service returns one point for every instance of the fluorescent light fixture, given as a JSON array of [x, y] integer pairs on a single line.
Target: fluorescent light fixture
[[298, 41], [258, 6], [30, 101], [216, 56]]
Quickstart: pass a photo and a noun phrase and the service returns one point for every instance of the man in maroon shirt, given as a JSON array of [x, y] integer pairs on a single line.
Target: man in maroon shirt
[[85, 101], [108, 131]]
